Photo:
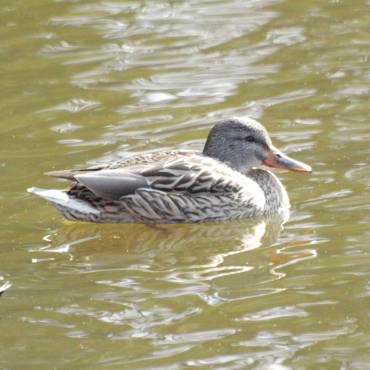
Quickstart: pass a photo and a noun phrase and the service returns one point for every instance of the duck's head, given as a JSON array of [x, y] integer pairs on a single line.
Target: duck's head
[[244, 144]]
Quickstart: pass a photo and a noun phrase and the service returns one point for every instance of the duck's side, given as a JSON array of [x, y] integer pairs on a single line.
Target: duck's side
[[189, 188]]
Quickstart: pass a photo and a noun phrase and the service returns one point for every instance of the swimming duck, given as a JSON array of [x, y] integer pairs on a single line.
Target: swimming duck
[[224, 181]]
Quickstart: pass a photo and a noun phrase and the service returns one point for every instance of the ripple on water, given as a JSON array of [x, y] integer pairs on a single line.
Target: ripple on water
[[274, 313], [65, 127], [361, 174], [286, 35], [109, 79], [176, 46], [73, 106]]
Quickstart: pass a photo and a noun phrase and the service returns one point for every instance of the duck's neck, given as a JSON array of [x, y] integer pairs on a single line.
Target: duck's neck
[[275, 194], [226, 156]]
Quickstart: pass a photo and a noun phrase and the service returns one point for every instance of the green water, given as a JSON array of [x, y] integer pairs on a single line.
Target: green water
[[83, 82]]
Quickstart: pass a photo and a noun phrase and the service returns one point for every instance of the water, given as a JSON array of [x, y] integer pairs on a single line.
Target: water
[[89, 81]]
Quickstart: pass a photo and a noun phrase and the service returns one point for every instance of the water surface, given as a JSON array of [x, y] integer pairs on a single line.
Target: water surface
[[89, 81]]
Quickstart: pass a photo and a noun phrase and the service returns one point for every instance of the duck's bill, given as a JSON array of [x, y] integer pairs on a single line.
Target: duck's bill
[[279, 160]]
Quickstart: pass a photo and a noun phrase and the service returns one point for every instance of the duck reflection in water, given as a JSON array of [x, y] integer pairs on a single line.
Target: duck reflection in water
[[229, 237], [224, 182], [197, 259]]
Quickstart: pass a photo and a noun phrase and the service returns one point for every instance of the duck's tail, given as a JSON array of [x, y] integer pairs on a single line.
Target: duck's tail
[[71, 208]]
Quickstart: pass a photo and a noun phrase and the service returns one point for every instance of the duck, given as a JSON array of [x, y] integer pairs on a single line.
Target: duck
[[228, 180]]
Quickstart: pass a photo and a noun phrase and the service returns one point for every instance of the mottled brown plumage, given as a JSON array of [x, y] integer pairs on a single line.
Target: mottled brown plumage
[[221, 183]]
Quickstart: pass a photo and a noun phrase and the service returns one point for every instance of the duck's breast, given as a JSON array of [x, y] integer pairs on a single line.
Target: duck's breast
[[276, 197]]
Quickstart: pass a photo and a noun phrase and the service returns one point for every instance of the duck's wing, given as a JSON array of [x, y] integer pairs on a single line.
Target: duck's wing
[[134, 161], [112, 184], [193, 174]]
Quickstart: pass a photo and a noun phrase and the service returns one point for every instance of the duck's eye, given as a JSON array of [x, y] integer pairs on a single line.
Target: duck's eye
[[250, 139]]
